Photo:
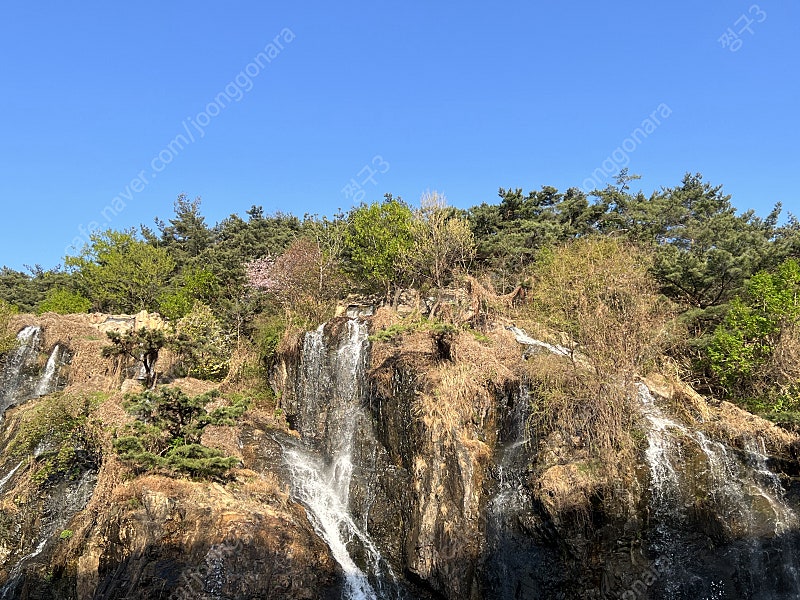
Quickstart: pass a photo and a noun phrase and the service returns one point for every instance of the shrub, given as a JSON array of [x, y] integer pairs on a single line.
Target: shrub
[[166, 433], [754, 353], [59, 427], [8, 340], [203, 344], [64, 302], [599, 292]]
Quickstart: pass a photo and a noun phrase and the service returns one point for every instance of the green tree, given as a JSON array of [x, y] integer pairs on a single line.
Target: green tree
[[192, 285], [119, 272], [167, 430], [742, 352], [509, 235], [26, 290], [140, 345], [236, 243], [704, 251], [64, 301], [378, 239], [187, 236]]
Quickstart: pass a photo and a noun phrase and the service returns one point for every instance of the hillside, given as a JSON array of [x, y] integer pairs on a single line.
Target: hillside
[[550, 397], [457, 484]]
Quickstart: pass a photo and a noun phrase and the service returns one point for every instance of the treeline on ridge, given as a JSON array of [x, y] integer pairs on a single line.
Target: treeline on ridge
[[732, 279]]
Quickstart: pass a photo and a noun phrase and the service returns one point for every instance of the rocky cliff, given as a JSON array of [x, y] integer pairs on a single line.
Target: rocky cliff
[[402, 460]]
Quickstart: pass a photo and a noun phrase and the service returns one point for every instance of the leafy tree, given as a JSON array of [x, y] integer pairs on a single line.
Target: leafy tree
[[742, 352], [64, 301], [201, 340], [301, 281], [119, 272], [378, 239], [443, 241], [167, 431], [193, 284], [144, 344]]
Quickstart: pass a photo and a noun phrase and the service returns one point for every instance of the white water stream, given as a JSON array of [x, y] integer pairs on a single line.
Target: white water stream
[[9, 475], [322, 484], [48, 381]]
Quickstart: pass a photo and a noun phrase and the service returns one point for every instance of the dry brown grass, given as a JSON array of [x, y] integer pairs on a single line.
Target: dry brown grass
[[456, 400], [566, 490], [740, 428], [784, 366]]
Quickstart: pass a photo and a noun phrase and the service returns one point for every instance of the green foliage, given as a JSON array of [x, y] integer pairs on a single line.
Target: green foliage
[[119, 272], [435, 327], [144, 345], [704, 251], [378, 239], [59, 426], [66, 534], [270, 328], [166, 433], [64, 301], [509, 234], [26, 290], [187, 236], [203, 344], [742, 347]]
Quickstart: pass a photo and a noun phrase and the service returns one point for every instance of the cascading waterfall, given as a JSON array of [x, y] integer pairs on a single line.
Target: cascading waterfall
[[322, 468], [20, 371], [49, 380], [732, 482], [743, 496], [509, 560], [662, 444], [9, 475], [717, 517]]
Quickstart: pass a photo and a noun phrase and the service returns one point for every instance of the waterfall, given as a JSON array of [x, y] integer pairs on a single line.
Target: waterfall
[[329, 396], [20, 369], [9, 475], [525, 339], [662, 445], [14, 581], [48, 381], [511, 560], [730, 492]]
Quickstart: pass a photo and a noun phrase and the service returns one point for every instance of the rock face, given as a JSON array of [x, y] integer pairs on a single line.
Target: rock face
[[411, 470], [463, 500], [93, 531]]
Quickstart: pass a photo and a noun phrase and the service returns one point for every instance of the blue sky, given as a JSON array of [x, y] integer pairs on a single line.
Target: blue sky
[[109, 111]]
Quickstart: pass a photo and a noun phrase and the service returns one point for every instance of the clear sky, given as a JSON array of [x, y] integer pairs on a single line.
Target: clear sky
[[108, 111]]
